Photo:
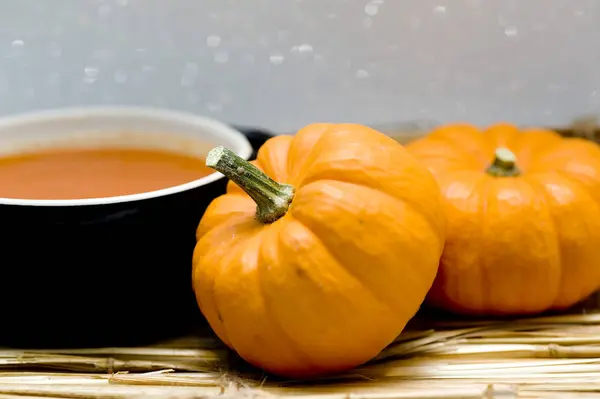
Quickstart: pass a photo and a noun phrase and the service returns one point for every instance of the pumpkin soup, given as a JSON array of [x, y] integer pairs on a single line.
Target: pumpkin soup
[[94, 173]]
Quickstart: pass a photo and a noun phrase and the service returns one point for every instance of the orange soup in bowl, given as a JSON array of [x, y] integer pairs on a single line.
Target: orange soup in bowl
[[94, 173]]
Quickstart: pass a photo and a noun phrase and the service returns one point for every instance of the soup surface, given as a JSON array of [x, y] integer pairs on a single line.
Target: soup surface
[[95, 173]]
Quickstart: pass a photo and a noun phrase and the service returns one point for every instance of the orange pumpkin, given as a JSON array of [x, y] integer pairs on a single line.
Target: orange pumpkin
[[523, 210], [319, 271]]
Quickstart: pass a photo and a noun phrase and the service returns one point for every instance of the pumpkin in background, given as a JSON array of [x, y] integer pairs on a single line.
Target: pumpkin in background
[[523, 210], [318, 270]]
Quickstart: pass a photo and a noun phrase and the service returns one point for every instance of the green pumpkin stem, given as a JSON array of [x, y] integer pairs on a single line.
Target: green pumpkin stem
[[272, 199], [504, 164]]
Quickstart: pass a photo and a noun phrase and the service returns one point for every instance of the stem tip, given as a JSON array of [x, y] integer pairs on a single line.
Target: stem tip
[[214, 156], [504, 164], [505, 155]]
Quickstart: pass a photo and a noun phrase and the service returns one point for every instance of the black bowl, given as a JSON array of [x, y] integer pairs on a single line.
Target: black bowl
[[108, 271]]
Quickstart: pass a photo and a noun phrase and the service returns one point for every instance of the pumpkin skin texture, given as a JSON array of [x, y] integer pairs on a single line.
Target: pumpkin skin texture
[[334, 279], [517, 243]]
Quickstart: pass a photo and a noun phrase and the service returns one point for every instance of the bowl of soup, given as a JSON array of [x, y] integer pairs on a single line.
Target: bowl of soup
[[98, 213]]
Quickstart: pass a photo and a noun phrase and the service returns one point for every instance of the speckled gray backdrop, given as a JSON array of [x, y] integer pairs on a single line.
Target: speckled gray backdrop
[[283, 63]]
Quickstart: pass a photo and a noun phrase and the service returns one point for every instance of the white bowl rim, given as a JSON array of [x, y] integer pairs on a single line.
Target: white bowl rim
[[245, 149]]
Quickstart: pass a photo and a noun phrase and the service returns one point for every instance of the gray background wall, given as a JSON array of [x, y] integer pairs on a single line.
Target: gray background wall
[[283, 63]]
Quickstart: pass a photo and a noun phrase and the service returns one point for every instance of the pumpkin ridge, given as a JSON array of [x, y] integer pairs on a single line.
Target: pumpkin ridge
[[236, 252], [344, 303], [375, 292], [483, 186], [475, 145], [273, 319], [449, 144], [218, 273], [552, 156], [583, 191], [500, 134], [544, 212], [414, 204], [580, 179], [577, 182], [336, 136], [537, 149], [273, 157], [487, 235], [437, 295], [542, 192], [296, 168], [215, 221], [217, 298], [440, 156]]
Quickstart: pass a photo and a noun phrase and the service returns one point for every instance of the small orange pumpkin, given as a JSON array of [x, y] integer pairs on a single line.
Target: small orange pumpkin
[[523, 211], [319, 271]]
